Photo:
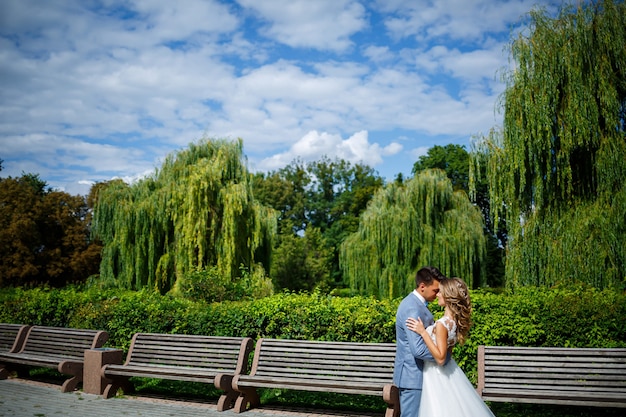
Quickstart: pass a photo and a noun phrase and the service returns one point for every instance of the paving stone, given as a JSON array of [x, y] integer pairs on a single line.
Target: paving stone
[[22, 398]]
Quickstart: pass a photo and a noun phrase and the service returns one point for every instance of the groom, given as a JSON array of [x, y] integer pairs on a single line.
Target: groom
[[411, 351]]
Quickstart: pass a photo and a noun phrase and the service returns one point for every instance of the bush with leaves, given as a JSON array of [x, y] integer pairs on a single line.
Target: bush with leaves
[[571, 316]]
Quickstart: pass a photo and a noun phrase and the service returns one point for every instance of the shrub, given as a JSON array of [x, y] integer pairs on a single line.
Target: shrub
[[574, 316]]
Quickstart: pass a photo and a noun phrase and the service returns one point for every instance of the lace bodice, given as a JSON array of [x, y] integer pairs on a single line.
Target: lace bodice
[[449, 324]]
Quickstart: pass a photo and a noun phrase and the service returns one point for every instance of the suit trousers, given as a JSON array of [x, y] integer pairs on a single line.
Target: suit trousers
[[410, 402]]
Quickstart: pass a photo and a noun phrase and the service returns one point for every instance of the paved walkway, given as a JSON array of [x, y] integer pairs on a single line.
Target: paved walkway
[[25, 398]]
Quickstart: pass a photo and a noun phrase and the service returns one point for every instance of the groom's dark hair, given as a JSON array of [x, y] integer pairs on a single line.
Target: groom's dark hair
[[427, 274]]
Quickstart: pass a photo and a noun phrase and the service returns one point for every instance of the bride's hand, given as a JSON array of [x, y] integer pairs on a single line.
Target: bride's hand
[[415, 325]]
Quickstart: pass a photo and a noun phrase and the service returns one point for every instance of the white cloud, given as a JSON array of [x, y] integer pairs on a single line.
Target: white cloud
[[420, 151], [314, 145], [171, 20], [457, 20], [88, 93], [378, 53], [320, 24]]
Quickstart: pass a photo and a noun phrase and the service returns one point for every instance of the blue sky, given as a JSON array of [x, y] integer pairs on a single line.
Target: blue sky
[[95, 90]]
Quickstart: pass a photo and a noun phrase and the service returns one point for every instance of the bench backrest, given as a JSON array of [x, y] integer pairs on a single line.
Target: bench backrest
[[368, 362], [219, 354], [12, 336], [62, 342], [563, 375]]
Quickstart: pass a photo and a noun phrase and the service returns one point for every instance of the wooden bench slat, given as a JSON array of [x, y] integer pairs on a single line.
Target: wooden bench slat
[[311, 379], [341, 372], [322, 358], [557, 373], [555, 350], [613, 380], [338, 389], [550, 392], [202, 361], [206, 375]]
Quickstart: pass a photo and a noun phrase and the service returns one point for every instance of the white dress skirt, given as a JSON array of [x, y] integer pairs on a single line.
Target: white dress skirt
[[446, 391]]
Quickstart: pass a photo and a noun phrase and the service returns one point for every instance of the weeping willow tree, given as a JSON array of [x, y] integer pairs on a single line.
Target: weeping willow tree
[[418, 223], [557, 168], [196, 212]]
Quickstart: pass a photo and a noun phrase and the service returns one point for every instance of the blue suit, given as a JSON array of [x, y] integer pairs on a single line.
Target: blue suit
[[411, 352]]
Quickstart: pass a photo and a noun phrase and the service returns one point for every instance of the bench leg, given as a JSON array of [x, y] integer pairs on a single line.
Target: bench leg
[[391, 396], [249, 398], [4, 373], [70, 384], [392, 412], [227, 400], [110, 390], [112, 387], [75, 369]]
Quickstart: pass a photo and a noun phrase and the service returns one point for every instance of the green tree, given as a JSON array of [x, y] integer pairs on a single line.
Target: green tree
[[557, 168], [455, 161], [319, 204], [301, 262], [338, 194], [195, 213], [44, 235], [421, 222], [285, 191]]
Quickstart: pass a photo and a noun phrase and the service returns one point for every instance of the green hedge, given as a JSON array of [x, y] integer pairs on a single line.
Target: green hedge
[[573, 316]]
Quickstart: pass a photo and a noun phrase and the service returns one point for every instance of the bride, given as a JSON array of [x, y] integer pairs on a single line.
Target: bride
[[447, 391]]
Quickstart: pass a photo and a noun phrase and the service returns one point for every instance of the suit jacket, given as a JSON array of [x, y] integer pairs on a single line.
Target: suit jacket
[[411, 350]]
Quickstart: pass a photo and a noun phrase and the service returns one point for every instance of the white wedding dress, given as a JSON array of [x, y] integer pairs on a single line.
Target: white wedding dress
[[446, 391]]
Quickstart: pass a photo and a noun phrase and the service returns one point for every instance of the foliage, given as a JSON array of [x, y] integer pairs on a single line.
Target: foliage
[[210, 286], [557, 168], [455, 161], [285, 191], [301, 262], [196, 212], [44, 235], [319, 204], [421, 222], [565, 315]]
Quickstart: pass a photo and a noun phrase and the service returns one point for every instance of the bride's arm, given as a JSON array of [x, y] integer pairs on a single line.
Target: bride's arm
[[439, 350]]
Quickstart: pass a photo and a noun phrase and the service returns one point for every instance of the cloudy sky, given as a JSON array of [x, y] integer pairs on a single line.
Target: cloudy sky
[[92, 90]]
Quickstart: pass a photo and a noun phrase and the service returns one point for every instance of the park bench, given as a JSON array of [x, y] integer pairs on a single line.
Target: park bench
[[54, 347], [193, 358], [562, 376], [337, 367], [12, 336]]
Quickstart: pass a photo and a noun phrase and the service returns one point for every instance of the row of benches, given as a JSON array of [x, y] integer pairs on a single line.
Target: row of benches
[[352, 368], [593, 377]]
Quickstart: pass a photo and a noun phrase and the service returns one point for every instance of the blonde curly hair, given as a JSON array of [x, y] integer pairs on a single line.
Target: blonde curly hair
[[457, 299]]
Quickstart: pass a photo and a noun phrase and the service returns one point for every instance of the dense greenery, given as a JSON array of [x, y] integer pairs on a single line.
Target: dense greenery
[[454, 160], [319, 204], [195, 213], [578, 316], [44, 234], [557, 169], [420, 222]]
